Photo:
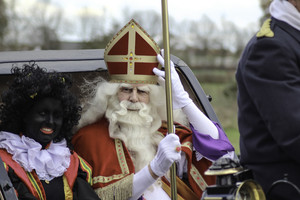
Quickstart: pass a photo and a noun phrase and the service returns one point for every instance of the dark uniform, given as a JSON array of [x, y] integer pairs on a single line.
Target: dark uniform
[[268, 79]]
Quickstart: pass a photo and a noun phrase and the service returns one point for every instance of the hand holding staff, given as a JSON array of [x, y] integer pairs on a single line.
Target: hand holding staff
[[168, 88]]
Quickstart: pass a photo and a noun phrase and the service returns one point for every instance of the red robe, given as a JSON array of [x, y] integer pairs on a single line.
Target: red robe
[[111, 161]]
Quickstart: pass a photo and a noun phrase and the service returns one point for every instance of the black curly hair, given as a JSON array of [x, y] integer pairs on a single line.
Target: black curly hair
[[30, 84]]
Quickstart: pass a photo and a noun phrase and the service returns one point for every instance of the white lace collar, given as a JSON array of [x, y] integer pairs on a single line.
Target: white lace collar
[[285, 11], [48, 163]]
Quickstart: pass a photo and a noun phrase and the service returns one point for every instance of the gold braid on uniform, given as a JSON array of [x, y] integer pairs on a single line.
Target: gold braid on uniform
[[265, 30]]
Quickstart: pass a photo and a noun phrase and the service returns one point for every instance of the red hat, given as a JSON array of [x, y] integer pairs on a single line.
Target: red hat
[[131, 55]]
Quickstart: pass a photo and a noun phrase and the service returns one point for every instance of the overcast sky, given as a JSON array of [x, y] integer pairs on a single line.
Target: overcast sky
[[243, 13]]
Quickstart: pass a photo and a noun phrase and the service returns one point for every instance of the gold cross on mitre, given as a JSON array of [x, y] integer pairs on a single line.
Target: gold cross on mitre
[[131, 55]]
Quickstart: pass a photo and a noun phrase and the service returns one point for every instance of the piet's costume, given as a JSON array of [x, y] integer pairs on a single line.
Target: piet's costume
[[52, 173], [113, 168]]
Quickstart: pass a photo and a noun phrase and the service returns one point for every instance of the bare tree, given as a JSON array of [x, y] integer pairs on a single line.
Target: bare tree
[[92, 25], [45, 21], [36, 25], [14, 27], [264, 4], [3, 22], [151, 21], [203, 34]]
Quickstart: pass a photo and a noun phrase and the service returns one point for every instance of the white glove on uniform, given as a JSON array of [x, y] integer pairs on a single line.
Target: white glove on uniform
[[166, 155], [179, 95]]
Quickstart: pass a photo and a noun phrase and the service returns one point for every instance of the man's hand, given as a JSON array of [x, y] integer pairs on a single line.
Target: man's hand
[[169, 151], [179, 96]]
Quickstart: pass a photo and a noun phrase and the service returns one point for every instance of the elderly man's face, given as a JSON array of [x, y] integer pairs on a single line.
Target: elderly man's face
[[134, 93]]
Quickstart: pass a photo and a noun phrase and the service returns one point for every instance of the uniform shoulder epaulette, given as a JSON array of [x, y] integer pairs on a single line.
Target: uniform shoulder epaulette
[[265, 30]]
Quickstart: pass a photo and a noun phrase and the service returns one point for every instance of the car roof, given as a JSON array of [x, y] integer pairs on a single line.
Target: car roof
[[58, 60], [89, 63]]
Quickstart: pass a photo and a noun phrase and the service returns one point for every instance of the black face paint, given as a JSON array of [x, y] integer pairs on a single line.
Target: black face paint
[[44, 120]]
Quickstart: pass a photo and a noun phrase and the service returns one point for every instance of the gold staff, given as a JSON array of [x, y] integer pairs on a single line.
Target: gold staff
[[168, 89]]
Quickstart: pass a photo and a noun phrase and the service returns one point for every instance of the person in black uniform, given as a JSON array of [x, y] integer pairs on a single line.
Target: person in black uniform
[[37, 117], [268, 79]]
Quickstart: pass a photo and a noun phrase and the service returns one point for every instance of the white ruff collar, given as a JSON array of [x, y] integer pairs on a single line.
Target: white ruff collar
[[285, 11], [48, 163]]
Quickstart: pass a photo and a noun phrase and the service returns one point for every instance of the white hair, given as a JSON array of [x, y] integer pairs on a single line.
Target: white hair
[[138, 130], [100, 92]]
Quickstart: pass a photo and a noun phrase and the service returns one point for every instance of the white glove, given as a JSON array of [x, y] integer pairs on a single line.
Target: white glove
[[141, 181], [200, 122], [166, 155], [179, 95]]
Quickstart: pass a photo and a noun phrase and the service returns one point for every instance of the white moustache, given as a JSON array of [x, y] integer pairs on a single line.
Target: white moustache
[[133, 106]]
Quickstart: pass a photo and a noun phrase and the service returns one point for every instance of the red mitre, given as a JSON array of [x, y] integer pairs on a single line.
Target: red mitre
[[131, 55]]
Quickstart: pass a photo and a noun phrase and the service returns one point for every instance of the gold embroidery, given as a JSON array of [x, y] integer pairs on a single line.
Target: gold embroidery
[[132, 58], [198, 178], [122, 163], [119, 190], [121, 157], [188, 145], [67, 189]]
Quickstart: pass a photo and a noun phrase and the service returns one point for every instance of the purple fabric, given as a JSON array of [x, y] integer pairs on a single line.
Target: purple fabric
[[209, 147]]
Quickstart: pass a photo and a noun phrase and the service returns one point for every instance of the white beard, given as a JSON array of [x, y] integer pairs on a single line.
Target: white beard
[[137, 129]]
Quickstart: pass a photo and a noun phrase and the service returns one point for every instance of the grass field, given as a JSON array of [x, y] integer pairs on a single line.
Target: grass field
[[233, 136], [225, 106]]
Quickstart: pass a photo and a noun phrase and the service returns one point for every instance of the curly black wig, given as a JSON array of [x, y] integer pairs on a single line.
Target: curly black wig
[[30, 84]]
